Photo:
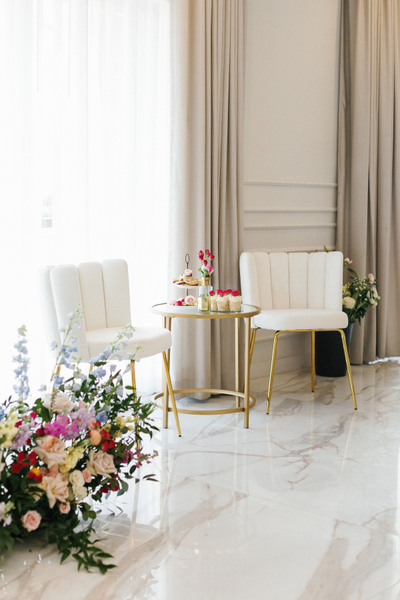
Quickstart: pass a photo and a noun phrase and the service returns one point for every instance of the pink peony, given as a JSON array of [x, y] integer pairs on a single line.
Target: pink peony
[[51, 450], [31, 520], [210, 269], [87, 477], [64, 508]]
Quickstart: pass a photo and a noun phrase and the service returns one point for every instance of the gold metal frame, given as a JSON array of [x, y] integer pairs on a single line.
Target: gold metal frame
[[312, 331], [249, 311]]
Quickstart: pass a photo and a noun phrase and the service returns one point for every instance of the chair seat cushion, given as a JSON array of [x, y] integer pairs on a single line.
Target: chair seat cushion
[[300, 318], [152, 340]]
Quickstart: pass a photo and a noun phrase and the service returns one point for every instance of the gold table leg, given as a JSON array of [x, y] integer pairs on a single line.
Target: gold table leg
[[253, 341], [247, 371], [237, 360]]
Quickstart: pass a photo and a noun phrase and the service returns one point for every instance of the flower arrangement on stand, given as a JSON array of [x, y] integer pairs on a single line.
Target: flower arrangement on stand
[[206, 268], [82, 439], [359, 294]]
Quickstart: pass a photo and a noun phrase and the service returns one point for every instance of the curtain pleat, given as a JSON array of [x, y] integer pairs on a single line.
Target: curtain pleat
[[368, 164], [207, 174]]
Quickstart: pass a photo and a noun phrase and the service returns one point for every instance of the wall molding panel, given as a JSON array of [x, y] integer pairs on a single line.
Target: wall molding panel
[[312, 184]]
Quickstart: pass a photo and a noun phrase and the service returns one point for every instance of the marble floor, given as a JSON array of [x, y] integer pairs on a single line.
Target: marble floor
[[304, 505]]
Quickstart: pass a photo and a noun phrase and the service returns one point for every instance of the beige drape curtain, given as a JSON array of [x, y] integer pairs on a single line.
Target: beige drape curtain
[[369, 164], [207, 176]]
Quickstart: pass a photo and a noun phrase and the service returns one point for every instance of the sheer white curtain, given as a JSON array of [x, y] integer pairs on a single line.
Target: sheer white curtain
[[84, 154]]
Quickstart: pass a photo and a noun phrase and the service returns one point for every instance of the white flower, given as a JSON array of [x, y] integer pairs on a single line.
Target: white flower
[[349, 302], [60, 404]]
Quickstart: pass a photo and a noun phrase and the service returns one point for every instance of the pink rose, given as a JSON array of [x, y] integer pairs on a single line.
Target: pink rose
[[188, 273], [95, 437], [172, 302], [207, 252], [86, 476], [51, 450], [179, 303], [31, 520], [205, 262], [348, 261], [56, 488], [201, 254], [64, 508], [101, 463], [371, 278], [92, 424]]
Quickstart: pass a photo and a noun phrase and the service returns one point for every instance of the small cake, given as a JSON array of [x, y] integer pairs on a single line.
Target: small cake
[[223, 303], [235, 301]]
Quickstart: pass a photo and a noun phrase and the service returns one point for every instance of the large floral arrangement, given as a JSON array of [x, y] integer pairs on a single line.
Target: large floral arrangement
[[82, 439], [359, 294]]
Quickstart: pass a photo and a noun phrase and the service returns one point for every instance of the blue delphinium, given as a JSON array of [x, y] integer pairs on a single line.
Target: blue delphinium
[[21, 386]]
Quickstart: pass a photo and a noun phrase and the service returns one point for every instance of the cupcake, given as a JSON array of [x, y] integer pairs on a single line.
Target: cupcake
[[235, 301], [222, 301], [214, 302]]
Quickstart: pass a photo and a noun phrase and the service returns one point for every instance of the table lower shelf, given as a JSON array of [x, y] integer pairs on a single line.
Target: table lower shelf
[[216, 411]]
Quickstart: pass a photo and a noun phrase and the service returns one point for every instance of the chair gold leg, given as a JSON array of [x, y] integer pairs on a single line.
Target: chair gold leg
[[346, 355], [165, 385], [312, 360], [171, 393], [271, 374]]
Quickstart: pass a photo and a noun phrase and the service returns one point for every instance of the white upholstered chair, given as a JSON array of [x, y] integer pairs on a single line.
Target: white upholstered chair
[[102, 289], [296, 292]]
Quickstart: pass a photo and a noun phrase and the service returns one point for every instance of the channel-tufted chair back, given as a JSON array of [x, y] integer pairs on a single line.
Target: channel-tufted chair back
[[292, 280], [102, 289], [296, 292]]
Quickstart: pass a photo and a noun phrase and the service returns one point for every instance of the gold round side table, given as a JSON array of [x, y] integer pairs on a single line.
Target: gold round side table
[[168, 313]]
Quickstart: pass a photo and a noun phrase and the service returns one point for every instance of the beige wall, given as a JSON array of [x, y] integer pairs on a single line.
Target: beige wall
[[292, 52]]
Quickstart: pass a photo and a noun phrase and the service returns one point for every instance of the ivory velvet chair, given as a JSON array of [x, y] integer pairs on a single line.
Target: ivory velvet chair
[[102, 289], [296, 292]]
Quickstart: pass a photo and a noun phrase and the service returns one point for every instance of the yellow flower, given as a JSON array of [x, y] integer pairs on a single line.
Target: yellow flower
[[121, 421], [75, 453], [8, 431]]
